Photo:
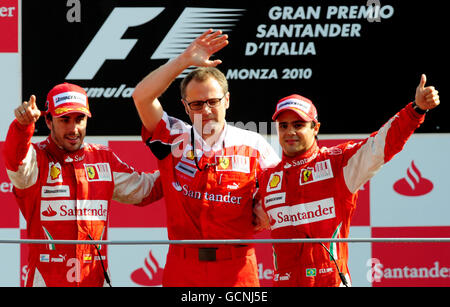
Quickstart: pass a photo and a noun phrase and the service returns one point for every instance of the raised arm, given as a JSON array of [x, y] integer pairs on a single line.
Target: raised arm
[[155, 84], [19, 154], [366, 158]]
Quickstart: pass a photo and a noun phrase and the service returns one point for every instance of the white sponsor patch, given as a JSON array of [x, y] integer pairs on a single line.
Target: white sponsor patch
[[60, 258], [55, 191], [302, 105], [70, 210], [44, 257], [186, 169], [274, 199], [300, 214], [69, 97], [281, 277]]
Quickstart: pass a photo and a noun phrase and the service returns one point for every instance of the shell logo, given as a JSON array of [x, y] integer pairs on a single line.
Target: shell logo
[[54, 172], [275, 181]]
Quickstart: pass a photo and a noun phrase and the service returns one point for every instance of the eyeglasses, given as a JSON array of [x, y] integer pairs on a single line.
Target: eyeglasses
[[198, 104]]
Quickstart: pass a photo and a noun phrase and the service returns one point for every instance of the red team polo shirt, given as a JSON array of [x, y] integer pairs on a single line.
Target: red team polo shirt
[[213, 200]]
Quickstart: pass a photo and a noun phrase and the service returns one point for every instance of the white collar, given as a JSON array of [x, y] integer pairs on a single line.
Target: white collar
[[218, 145]]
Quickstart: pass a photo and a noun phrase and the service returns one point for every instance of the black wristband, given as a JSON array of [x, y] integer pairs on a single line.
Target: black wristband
[[417, 109]]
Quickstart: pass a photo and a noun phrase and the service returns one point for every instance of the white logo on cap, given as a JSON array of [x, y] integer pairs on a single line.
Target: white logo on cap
[[302, 105], [69, 97]]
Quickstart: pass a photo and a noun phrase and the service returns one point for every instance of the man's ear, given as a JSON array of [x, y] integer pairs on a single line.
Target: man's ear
[[186, 107], [316, 129], [227, 100], [49, 122]]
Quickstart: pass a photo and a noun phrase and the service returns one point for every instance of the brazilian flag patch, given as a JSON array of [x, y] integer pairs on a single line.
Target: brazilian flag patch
[[310, 272]]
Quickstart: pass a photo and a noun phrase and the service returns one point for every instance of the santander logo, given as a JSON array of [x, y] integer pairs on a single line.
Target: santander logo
[[150, 274], [49, 212], [413, 184], [272, 221]]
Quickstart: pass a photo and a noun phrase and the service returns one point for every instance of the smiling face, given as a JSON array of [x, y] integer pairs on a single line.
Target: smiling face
[[68, 131], [209, 120], [295, 135]]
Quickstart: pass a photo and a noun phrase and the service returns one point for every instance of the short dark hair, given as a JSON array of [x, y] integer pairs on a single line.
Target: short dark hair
[[202, 74]]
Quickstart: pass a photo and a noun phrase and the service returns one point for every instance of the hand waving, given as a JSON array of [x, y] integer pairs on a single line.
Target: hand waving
[[203, 47]]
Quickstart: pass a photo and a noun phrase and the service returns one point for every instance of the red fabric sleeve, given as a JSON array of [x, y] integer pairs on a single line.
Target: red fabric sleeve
[[17, 143]]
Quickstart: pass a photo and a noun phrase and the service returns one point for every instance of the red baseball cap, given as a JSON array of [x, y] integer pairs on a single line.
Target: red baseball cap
[[67, 98], [300, 105]]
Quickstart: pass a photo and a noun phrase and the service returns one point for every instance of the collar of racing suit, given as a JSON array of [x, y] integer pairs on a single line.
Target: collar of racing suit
[[62, 155], [303, 158]]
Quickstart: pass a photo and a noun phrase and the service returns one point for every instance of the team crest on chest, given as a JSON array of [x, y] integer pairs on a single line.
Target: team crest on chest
[[321, 171], [224, 163], [234, 163], [98, 172]]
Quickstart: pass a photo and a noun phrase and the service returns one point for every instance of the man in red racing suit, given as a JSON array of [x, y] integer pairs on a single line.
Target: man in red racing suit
[[66, 194], [312, 193]]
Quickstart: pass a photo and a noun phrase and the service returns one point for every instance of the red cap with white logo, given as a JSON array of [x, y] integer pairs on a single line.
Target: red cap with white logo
[[300, 105], [67, 98]]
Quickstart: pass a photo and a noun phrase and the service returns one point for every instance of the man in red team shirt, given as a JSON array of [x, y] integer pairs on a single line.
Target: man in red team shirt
[[64, 187], [208, 170], [312, 192]]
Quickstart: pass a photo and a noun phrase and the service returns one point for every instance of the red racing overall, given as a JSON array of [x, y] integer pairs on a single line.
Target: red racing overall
[[66, 196], [314, 196]]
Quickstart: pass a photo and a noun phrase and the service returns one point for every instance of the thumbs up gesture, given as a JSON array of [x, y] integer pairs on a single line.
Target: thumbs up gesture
[[28, 112], [427, 98]]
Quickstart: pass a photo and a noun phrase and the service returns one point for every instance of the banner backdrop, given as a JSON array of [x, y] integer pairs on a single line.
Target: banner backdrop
[[358, 61]]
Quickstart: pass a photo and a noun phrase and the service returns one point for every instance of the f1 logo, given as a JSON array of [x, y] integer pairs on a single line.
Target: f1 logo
[[108, 44]]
